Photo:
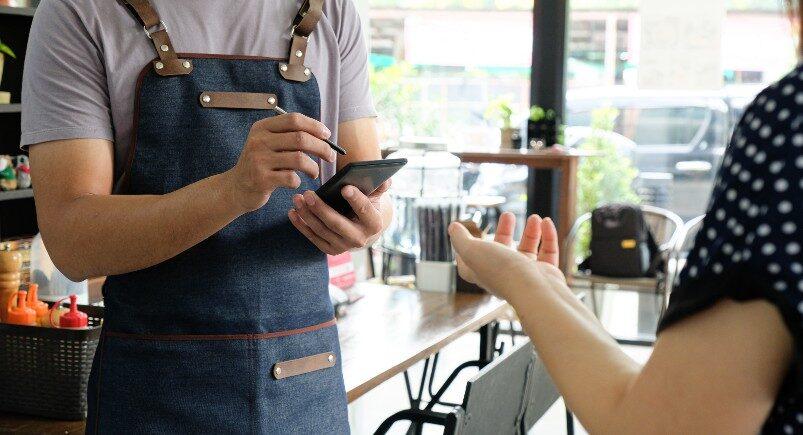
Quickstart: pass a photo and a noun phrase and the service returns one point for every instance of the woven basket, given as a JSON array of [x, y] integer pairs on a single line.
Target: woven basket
[[44, 371]]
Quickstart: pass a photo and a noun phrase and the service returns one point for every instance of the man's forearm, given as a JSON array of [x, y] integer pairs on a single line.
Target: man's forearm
[[586, 364], [98, 235]]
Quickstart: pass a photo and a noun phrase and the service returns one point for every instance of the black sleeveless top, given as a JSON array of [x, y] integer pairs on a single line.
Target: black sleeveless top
[[749, 246]]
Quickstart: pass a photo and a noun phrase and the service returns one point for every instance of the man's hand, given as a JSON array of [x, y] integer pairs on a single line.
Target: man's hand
[[275, 149], [334, 233]]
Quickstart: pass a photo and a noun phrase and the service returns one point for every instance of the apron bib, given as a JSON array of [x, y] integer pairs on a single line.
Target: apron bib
[[236, 334]]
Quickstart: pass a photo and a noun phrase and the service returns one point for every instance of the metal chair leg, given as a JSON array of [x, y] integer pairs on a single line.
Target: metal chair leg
[[569, 422], [594, 299]]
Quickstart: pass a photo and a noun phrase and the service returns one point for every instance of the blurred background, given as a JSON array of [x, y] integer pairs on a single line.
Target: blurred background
[[669, 84]]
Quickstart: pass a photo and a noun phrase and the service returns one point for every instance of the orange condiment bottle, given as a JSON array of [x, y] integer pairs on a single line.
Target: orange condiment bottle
[[41, 308], [21, 314]]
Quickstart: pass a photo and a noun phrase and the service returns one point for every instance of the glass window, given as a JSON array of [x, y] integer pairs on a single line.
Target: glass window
[[674, 82], [434, 70]]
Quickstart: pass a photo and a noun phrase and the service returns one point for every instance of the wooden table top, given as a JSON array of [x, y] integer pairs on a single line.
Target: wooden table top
[[392, 328], [382, 334]]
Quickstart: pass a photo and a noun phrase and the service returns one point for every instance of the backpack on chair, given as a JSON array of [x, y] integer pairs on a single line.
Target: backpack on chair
[[622, 245]]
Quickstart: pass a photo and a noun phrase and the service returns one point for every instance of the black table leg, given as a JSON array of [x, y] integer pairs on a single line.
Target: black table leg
[[488, 334]]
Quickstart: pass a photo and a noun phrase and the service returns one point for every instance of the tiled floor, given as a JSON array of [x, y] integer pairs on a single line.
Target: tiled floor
[[620, 314]]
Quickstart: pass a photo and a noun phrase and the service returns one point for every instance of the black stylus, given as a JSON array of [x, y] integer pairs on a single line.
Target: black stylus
[[340, 150]]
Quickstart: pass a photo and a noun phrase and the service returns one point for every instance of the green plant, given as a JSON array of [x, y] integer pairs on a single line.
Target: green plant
[[605, 176], [538, 113], [396, 97], [5, 49], [499, 109]]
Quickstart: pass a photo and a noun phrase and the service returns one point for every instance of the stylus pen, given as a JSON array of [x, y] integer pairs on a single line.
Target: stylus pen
[[340, 150]]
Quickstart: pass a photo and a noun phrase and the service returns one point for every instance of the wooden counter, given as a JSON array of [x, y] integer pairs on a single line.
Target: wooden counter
[[382, 335]]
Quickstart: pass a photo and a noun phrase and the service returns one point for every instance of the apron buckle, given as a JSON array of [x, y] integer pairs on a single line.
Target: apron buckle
[[160, 26]]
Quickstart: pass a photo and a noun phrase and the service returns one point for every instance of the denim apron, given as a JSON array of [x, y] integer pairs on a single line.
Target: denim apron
[[236, 334]]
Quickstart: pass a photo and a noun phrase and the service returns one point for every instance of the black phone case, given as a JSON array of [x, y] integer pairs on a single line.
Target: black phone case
[[366, 176]]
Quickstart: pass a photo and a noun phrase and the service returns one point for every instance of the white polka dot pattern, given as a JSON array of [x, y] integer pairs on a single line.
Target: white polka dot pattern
[[751, 240]]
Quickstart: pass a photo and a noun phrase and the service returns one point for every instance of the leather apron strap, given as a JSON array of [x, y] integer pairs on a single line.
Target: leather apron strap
[[303, 25], [168, 63]]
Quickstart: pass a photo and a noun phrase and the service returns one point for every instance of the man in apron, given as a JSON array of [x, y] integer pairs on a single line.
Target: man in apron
[[165, 168]]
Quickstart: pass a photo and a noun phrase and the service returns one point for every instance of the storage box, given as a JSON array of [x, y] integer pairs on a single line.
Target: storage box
[[44, 371], [435, 276]]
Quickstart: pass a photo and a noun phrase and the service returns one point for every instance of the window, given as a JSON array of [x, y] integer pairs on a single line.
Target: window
[[676, 82], [434, 70]]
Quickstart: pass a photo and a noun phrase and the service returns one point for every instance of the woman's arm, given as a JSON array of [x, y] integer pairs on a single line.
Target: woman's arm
[[716, 372], [90, 232]]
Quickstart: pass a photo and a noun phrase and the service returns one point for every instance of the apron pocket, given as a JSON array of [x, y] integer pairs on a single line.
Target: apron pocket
[[300, 366]]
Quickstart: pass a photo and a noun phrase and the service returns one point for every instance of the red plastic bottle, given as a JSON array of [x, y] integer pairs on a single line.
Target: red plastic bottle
[[74, 319], [21, 314]]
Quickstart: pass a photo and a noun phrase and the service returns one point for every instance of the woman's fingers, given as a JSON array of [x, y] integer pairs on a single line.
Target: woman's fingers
[[532, 235], [550, 251], [505, 228], [460, 237]]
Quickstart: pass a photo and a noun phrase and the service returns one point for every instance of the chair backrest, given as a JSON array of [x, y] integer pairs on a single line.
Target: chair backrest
[[666, 227], [507, 396], [681, 248]]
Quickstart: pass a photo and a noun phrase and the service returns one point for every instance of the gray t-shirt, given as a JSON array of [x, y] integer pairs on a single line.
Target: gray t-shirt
[[84, 56]]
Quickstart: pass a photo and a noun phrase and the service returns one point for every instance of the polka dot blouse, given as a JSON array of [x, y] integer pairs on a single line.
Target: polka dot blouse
[[749, 246]]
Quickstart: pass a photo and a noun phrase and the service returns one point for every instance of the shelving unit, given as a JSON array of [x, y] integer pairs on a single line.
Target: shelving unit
[[17, 10], [16, 194], [10, 108], [17, 208]]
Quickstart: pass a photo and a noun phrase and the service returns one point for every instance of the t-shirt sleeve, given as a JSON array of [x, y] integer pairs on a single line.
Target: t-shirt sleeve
[[355, 94], [749, 246], [64, 87]]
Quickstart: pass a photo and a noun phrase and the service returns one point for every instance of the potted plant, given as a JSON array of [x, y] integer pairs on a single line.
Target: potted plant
[[543, 128], [500, 110], [5, 97]]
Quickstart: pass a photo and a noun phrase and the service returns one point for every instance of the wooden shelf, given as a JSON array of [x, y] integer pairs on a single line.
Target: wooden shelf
[[10, 108], [17, 10], [16, 194]]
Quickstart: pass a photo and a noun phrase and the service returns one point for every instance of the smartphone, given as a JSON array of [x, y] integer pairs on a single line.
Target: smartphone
[[366, 176]]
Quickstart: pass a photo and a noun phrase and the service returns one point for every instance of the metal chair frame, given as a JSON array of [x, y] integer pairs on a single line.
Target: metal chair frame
[[654, 216]]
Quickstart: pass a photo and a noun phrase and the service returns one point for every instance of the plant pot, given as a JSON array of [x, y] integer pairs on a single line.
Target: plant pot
[[543, 132], [508, 138]]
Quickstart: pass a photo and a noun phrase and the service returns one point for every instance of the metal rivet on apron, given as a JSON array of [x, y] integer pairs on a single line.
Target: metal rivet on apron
[[164, 47], [299, 53], [159, 65], [187, 64], [331, 358], [283, 67], [306, 71], [206, 98], [271, 100], [277, 371]]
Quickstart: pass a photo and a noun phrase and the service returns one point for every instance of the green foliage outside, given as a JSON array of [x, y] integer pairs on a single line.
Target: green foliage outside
[[604, 177], [396, 100]]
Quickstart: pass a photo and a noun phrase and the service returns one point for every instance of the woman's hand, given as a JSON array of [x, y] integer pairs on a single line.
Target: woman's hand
[[495, 265], [334, 233]]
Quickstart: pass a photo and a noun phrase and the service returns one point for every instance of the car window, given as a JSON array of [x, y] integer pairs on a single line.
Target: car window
[[661, 126], [652, 125]]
